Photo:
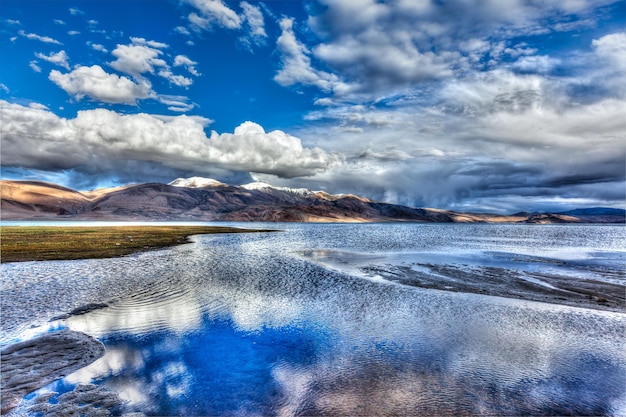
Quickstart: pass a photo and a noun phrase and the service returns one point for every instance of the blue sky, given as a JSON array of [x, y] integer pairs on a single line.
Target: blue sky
[[498, 106]]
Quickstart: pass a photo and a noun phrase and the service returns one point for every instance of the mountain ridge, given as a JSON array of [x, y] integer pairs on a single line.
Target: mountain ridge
[[205, 199]]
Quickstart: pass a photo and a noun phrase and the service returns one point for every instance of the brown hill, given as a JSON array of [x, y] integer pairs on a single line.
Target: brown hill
[[31, 199]]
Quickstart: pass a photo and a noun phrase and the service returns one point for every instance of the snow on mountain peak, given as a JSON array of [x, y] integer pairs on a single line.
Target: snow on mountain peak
[[258, 185], [195, 182]]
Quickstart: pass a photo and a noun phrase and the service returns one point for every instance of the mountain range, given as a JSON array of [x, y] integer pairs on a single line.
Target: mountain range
[[205, 199]]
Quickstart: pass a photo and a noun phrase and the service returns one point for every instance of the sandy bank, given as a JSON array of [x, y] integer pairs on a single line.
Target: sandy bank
[[32, 364]]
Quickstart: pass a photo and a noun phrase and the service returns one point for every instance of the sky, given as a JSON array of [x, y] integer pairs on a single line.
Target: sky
[[471, 105]]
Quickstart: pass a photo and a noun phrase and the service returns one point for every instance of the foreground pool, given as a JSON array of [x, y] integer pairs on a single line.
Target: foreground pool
[[341, 320]]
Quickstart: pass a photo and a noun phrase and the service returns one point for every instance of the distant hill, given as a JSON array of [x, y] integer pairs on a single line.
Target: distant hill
[[595, 211], [598, 215], [205, 199]]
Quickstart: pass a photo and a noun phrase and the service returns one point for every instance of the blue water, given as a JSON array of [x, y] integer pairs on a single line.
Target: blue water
[[292, 323]]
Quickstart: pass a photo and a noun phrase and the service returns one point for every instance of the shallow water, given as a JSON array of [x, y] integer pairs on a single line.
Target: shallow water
[[319, 320]]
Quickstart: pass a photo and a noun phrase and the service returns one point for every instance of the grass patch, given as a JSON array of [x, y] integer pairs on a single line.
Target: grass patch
[[46, 243]]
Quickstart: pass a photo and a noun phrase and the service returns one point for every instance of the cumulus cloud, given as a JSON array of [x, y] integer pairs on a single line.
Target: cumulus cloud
[[137, 58], [145, 57], [97, 141], [384, 48], [211, 14], [445, 107], [60, 58], [612, 48], [296, 65], [95, 83]]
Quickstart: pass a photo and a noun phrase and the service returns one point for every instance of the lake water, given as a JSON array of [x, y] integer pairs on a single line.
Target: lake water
[[336, 319]]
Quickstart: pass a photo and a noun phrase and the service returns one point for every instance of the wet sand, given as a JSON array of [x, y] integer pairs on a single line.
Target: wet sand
[[547, 280], [501, 282]]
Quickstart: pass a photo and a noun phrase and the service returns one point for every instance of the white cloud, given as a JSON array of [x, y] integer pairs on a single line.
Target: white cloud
[[100, 138], [33, 65], [73, 32], [255, 24], [60, 58], [4, 88], [380, 49], [182, 60], [202, 121], [535, 64], [144, 56], [38, 106], [182, 30], [95, 83], [45, 39], [250, 148], [178, 80], [76, 11], [59, 22], [384, 57], [519, 50], [98, 47], [153, 44], [296, 65], [178, 104], [324, 101], [137, 58], [612, 47], [213, 12]]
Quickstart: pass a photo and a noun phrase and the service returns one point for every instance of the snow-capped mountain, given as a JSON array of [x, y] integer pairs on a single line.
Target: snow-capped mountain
[[205, 199], [195, 182], [201, 182]]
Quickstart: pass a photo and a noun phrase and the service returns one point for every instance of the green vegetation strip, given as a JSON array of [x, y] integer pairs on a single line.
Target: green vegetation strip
[[46, 243]]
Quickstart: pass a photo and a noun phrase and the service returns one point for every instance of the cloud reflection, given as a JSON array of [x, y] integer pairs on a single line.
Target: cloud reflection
[[242, 325]]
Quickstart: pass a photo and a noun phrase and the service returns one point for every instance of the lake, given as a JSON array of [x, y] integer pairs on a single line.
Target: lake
[[341, 319]]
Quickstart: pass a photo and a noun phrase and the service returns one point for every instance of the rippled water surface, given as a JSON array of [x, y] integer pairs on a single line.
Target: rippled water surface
[[343, 320]]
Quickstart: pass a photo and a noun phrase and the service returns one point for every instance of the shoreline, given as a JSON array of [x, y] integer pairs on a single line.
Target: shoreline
[[48, 243]]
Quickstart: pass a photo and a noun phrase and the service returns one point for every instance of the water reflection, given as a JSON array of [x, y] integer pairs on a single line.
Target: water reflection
[[244, 325]]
